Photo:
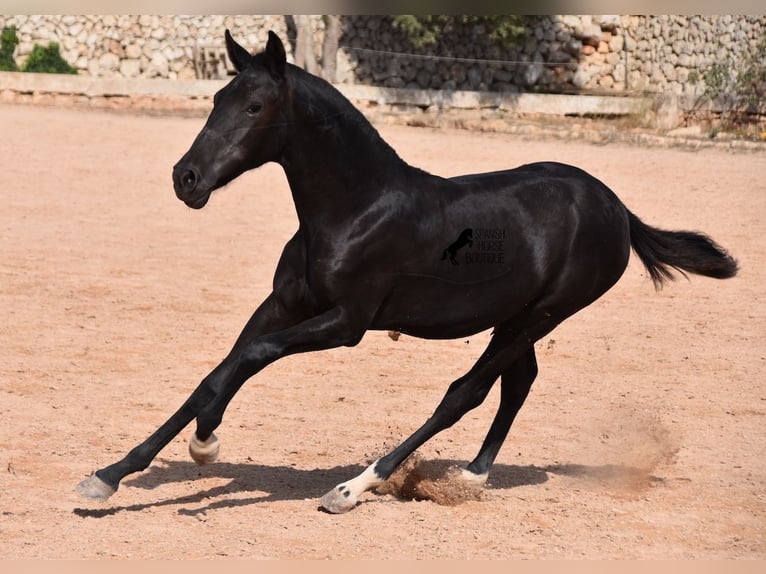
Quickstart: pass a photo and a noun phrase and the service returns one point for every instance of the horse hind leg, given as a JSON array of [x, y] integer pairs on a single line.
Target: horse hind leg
[[506, 348], [463, 395], [510, 354], [516, 381]]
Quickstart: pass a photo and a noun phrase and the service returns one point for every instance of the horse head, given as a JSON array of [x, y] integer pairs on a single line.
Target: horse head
[[246, 128]]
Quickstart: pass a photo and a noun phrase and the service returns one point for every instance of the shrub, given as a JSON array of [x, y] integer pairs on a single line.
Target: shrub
[[8, 42], [739, 87], [47, 60]]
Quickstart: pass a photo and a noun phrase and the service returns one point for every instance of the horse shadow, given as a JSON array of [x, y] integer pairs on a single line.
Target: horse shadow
[[285, 483], [266, 483]]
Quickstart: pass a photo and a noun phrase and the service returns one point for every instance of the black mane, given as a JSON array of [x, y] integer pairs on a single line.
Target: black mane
[[324, 103]]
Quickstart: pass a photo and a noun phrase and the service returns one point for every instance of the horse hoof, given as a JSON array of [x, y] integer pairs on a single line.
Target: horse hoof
[[338, 500], [204, 452], [95, 488]]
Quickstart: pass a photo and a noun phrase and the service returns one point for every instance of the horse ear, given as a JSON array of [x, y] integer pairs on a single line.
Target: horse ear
[[275, 56], [237, 54]]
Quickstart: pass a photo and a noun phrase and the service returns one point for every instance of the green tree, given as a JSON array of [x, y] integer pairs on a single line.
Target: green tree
[[507, 30]]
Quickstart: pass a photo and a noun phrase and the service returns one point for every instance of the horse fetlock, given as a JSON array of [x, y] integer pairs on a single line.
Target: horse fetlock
[[204, 452], [95, 488], [473, 478]]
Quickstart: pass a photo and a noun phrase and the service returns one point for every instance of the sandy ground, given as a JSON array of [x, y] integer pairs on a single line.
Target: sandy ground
[[643, 436]]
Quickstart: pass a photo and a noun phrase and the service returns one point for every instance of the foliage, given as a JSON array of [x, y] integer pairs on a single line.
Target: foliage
[[506, 30], [41, 59], [47, 60], [8, 42], [738, 87]]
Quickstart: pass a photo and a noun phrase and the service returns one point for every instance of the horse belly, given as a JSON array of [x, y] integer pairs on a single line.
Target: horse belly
[[433, 309]]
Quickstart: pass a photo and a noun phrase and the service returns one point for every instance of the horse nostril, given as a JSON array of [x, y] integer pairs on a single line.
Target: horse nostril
[[185, 180]]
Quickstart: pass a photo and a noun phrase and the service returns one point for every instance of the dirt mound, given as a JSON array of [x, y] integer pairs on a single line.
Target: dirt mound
[[438, 481]]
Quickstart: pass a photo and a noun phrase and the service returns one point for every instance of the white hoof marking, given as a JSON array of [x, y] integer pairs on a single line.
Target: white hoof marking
[[473, 478], [344, 497]]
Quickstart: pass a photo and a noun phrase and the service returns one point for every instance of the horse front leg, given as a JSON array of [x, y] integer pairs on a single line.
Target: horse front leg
[[334, 328], [204, 446], [104, 482], [269, 316]]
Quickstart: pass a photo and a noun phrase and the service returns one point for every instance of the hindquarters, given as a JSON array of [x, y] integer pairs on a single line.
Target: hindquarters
[[593, 235], [578, 236]]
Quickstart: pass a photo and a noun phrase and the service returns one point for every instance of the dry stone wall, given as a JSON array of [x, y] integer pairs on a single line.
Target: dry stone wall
[[137, 46], [606, 53]]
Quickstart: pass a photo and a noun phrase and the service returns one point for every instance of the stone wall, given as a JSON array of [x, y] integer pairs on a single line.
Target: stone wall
[[561, 54], [137, 46], [608, 54]]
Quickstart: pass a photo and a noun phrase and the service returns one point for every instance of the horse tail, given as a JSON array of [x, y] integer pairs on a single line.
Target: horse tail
[[661, 250]]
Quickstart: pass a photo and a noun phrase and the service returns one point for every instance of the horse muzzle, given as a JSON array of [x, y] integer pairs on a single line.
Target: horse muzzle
[[186, 182]]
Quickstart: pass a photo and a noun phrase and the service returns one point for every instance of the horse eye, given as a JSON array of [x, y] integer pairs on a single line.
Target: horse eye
[[254, 109]]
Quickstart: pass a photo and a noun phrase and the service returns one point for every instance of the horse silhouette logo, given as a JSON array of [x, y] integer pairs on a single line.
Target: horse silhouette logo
[[465, 238]]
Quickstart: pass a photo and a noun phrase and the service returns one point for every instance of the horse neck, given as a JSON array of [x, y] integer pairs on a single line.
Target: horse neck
[[336, 162]]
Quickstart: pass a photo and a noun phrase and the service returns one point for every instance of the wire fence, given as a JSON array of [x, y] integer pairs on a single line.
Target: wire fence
[[443, 58]]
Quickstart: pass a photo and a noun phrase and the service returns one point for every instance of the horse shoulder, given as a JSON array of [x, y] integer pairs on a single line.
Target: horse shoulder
[[290, 284]]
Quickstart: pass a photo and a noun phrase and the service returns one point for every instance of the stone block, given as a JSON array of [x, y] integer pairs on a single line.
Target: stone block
[[130, 68], [608, 21], [109, 62], [133, 52]]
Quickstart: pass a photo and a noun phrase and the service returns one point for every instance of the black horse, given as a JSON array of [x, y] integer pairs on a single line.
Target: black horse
[[367, 255]]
